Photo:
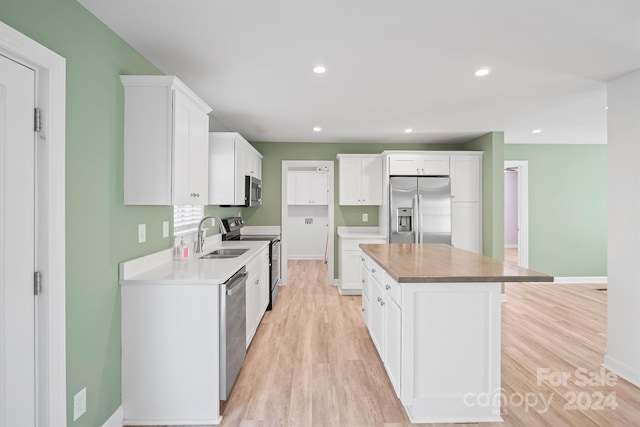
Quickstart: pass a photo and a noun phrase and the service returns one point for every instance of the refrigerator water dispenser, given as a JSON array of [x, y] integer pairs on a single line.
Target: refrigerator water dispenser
[[404, 220]]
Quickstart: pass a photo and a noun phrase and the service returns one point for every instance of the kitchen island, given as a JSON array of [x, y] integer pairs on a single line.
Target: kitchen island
[[433, 314]]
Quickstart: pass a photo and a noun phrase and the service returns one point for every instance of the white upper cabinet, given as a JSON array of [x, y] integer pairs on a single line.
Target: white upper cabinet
[[360, 179], [465, 178], [419, 164], [231, 159], [307, 188], [165, 142]]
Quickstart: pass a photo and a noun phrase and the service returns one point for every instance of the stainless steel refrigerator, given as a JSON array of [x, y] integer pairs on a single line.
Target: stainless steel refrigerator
[[420, 209]]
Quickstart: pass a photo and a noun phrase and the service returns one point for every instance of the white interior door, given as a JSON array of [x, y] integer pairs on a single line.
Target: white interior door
[[17, 245]]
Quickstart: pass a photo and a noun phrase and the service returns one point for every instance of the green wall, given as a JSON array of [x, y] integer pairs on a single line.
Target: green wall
[[492, 191], [275, 152], [100, 230], [567, 207]]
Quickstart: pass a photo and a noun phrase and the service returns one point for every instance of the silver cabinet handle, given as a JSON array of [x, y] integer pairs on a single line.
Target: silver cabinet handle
[[381, 302], [379, 299], [364, 309], [387, 287], [373, 270], [363, 280]]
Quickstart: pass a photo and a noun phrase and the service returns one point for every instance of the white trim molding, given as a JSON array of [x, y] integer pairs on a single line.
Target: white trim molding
[[523, 209], [51, 99], [578, 280], [116, 419], [622, 369], [329, 167]]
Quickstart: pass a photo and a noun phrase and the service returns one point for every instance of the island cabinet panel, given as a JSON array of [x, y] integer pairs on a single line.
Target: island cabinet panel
[[439, 343], [451, 352], [466, 232]]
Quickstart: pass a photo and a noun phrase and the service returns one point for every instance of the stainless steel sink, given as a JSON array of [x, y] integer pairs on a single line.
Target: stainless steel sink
[[225, 253]]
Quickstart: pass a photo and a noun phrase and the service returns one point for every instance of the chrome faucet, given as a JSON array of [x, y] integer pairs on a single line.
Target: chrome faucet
[[200, 236]]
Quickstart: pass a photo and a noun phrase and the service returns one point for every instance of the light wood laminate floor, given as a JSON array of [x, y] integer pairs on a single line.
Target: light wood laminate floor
[[312, 362]]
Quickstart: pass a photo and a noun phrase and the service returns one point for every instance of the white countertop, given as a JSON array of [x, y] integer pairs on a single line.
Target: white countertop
[[161, 267], [352, 232]]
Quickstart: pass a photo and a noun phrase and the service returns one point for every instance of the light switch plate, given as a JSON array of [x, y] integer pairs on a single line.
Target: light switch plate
[[365, 217], [79, 403], [142, 233], [165, 229]]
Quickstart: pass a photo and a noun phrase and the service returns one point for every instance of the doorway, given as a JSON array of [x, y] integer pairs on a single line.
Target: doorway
[[516, 212], [35, 174], [308, 213]]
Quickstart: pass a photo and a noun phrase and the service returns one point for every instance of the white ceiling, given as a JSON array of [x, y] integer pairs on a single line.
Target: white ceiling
[[391, 64]]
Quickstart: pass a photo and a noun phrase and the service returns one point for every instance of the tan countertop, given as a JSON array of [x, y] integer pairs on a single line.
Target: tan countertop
[[438, 263]]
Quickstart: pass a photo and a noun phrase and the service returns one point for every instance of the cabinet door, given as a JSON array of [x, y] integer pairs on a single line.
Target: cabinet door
[[371, 178], [252, 303], [377, 316], [465, 178], [364, 279], [366, 308], [303, 192], [181, 116], [239, 159], [392, 343], [350, 181], [319, 188], [351, 270], [199, 158], [292, 185], [433, 165], [466, 229], [403, 165]]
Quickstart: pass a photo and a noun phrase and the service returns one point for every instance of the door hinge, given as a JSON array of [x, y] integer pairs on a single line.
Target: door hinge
[[37, 283], [37, 124]]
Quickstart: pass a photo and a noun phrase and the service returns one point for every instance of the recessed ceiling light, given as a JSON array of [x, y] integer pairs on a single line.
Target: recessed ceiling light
[[319, 69], [606, 107], [536, 131], [408, 130], [317, 129], [481, 72]]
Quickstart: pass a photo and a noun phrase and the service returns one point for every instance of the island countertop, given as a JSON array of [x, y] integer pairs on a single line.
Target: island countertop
[[439, 263]]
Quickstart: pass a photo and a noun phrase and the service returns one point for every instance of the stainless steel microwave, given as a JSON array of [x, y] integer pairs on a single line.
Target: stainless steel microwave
[[252, 191]]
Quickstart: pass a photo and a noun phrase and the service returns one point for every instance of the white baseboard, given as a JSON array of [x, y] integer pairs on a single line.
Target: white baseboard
[[588, 279], [503, 297], [333, 282], [511, 246], [116, 419], [622, 370]]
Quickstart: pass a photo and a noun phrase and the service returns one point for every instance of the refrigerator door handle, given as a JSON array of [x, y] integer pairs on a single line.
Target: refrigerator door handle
[[414, 220], [421, 238]]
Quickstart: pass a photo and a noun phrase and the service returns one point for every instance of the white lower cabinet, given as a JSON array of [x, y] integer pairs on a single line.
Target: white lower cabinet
[[439, 343], [257, 292], [350, 277], [384, 319]]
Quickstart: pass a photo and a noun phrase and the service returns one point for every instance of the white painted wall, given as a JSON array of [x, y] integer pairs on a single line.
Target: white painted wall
[[307, 241], [623, 306]]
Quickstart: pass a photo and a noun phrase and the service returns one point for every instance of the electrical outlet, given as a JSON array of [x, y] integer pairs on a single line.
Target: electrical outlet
[[365, 217], [165, 229], [79, 403], [142, 233]]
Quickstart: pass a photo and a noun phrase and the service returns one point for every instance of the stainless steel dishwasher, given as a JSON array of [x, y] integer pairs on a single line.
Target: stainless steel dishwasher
[[233, 330]]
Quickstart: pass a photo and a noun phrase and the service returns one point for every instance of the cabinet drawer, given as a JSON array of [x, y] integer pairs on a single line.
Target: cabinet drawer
[[366, 262], [392, 289], [377, 272]]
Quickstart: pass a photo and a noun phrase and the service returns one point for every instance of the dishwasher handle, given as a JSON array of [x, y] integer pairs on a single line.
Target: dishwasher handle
[[236, 282]]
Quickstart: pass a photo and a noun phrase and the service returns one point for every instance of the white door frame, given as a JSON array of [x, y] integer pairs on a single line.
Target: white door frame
[[51, 383], [286, 164], [523, 209]]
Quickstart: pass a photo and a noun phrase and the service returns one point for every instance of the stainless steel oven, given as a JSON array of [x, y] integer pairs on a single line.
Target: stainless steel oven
[[233, 226]]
